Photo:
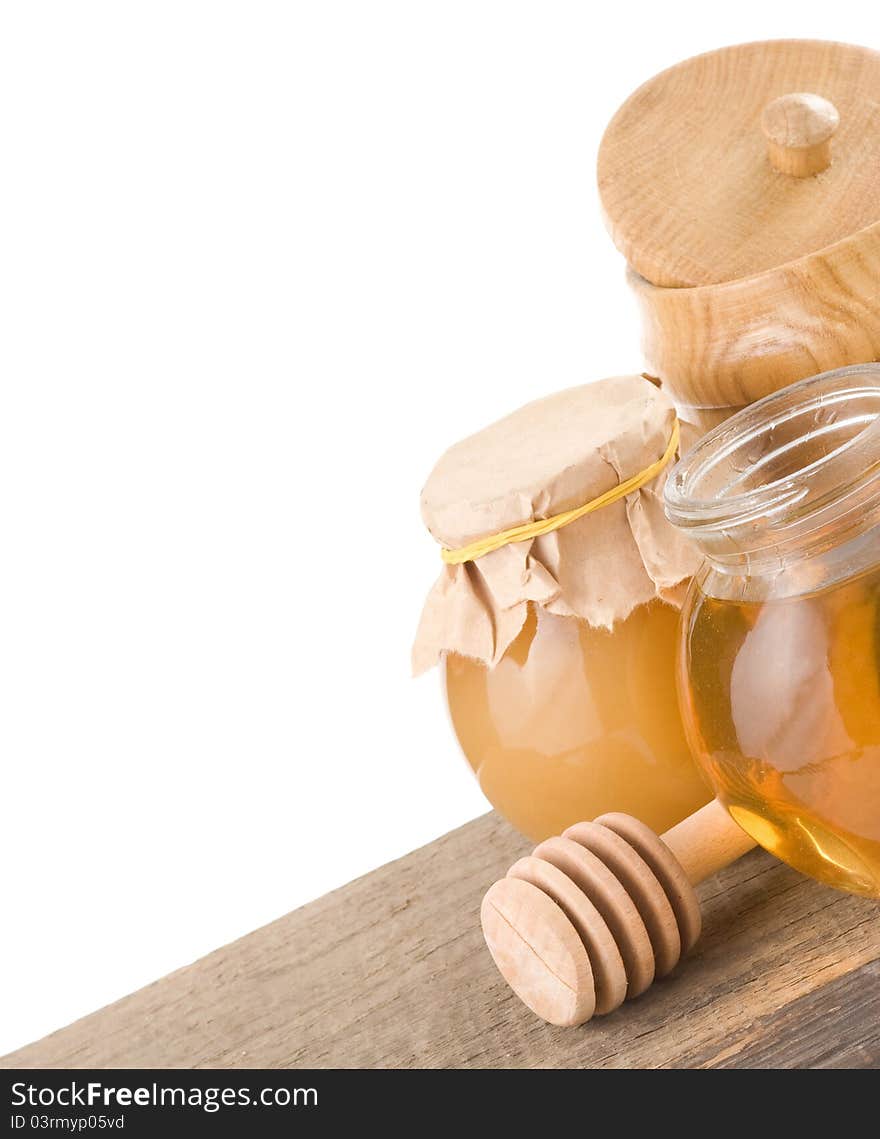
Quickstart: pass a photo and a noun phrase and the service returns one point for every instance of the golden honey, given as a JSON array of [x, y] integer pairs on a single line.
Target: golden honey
[[779, 659], [575, 721], [783, 702]]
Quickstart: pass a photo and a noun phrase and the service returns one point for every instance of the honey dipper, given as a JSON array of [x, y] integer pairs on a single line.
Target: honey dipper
[[593, 916]]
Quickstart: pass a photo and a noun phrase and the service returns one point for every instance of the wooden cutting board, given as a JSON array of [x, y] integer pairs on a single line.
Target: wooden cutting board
[[391, 971]]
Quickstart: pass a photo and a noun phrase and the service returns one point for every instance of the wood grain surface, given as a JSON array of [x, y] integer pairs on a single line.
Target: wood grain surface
[[689, 193], [391, 971], [747, 279], [723, 346]]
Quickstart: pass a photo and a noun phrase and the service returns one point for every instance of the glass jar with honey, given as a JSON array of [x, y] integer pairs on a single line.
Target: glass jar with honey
[[554, 619], [779, 661]]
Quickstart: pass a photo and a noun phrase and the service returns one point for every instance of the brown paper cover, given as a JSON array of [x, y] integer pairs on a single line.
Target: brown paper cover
[[547, 457]]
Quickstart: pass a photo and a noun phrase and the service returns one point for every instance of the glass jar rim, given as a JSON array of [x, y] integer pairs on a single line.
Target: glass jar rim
[[800, 462]]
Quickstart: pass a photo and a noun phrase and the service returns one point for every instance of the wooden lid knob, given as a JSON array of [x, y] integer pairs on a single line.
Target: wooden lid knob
[[688, 191], [798, 129]]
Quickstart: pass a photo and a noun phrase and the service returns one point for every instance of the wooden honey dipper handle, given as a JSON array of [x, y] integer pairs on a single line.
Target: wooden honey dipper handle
[[707, 841], [798, 129], [592, 917]]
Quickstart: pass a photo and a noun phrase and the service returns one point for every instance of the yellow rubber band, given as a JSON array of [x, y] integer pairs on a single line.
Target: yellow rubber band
[[547, 525]]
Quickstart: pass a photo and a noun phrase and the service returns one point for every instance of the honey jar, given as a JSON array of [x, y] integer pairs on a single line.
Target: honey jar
[[779, 661], [557, 647], [742, 188]]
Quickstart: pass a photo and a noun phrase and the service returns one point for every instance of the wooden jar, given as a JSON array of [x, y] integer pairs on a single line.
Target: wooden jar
[[743, 187]]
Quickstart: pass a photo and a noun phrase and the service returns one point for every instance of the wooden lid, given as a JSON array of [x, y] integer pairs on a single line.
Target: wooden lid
[[743, 159]]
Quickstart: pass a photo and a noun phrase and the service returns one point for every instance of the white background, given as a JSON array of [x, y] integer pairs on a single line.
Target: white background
[[260, 264]]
